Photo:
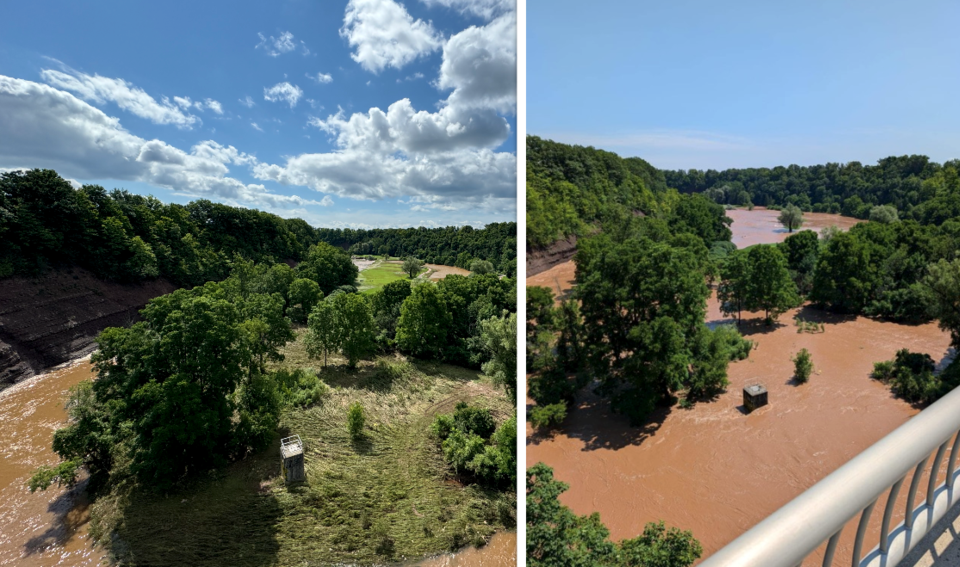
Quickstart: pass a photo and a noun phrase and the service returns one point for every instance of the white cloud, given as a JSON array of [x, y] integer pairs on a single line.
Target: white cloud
[[213, 105], [383, 34], [486, 9], [326, 201], [49, 128], [247, 101], [283, 92], [99, 90], [322, 78], [480, 65], [256, 127], [275, 46]]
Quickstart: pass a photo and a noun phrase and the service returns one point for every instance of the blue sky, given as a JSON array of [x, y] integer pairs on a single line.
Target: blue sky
[[698, 84], [362, 113]]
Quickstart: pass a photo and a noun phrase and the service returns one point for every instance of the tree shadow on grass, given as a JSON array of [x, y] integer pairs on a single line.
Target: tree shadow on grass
[[229, 519]]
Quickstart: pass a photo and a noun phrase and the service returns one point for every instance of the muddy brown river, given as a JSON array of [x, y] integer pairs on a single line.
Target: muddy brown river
[[46, 528], [715, 470], [50, 528]]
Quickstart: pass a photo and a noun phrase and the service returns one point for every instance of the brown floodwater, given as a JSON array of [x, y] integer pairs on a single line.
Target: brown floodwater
[[45, 528], [500, 551], [50, 528], [760, 226], [716, 470]]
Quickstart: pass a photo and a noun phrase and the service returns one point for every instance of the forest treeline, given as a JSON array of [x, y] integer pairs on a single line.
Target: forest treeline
[[918, 188], [574, 190], [450, 246], [117, 235]]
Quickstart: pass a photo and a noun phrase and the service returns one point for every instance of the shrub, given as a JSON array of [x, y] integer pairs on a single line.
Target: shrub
[[802, 366], [913, 378], [549, 416], [882, 370], [355, 419], [477, 421], [300, 388], [442, 426]]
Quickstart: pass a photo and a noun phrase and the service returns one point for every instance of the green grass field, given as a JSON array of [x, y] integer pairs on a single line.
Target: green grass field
[[378, 276], [388, 497]]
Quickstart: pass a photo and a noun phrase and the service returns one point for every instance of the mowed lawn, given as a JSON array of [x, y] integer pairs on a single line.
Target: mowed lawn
[[374, 278]]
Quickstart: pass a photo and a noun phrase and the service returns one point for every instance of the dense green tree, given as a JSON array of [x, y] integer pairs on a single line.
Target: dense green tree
[[323, 338], [424, 321], [791, 217], [481, 267], [734, 286], [884, 214], [845, 275], [943, 281], [802, 249], [769, 287], [642, 303], [330, 267], [356, 328], [412, 266], [304, 294], [498, 338], [386, 303]]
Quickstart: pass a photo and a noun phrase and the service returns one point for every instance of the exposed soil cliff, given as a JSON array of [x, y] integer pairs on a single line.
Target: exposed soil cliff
[[542, 259], [53, 318]]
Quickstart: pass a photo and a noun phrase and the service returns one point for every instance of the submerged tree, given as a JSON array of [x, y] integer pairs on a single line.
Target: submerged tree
[[791, 217]]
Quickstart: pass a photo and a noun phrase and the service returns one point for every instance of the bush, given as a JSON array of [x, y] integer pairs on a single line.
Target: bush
[[442, 426], [474, 420], [913, 378], [355, 419], [802, 366], [546, 417], [882, 370], [300, 388]]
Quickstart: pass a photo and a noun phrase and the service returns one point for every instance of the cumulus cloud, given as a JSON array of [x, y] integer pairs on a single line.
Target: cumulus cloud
[[99, 90], [486, 9], [50, 128], [480, 65], [438, 161], [322, 78], [283, 92], [383, 34], [275, 46], [247, 101]]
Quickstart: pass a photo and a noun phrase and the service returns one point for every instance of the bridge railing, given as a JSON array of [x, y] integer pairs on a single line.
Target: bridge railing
[[896, 463]]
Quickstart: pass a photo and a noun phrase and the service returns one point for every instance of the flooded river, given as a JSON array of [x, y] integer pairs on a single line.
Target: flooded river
[[715, 470], [760, 226], [46, 528]]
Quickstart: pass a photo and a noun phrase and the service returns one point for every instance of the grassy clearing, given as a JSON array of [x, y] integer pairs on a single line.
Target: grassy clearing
[[380, 275], [385, 497]]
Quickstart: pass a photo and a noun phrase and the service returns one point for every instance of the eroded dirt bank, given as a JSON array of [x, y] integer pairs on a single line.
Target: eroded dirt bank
[[55, 318], [542, 259]]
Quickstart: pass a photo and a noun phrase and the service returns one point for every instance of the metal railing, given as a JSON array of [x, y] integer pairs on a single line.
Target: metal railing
[[819, 515]]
